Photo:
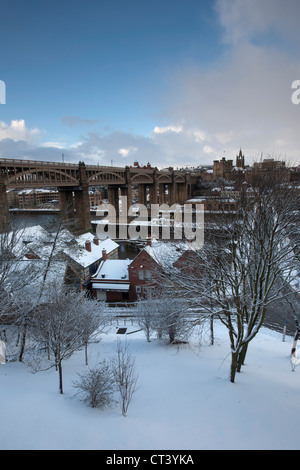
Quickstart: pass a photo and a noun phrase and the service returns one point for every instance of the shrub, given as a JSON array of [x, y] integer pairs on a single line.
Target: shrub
[[97, 386]]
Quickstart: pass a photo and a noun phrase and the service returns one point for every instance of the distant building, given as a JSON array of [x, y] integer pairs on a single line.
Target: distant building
[[218, 203], [269, 164], [240, 160], [29, 198], [222, 168], [96, 198]]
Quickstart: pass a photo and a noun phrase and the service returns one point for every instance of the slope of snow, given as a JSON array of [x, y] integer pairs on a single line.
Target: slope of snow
[[184, 401]]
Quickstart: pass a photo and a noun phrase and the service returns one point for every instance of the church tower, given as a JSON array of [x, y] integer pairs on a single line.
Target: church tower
[[240, 160]]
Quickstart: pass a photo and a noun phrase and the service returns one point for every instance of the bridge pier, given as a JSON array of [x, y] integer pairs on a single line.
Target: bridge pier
[[142, 194], [76, 209], [153, 193], [124, 191], [180, 193], [113, 196], [66, 203], [4, 212], [162, 193]]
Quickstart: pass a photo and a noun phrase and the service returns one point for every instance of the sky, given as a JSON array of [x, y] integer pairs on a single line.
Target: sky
[[170, 82]]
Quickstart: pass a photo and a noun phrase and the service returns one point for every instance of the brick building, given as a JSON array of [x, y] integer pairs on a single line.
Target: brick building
[[129, 280], [84, 257], [29, 198], [145, 275], [223, 169], [216, 203]]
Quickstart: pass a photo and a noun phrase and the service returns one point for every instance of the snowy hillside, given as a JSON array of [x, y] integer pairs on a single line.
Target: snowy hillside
[[184, 401]]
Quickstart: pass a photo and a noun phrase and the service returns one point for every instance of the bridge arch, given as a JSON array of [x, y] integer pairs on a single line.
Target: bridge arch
[[164, 179], [45, 176], [142, 178], [106, 177], [179, 179]]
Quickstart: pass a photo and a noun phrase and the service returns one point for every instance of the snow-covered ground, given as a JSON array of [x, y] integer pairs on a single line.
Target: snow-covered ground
[[184, 401]]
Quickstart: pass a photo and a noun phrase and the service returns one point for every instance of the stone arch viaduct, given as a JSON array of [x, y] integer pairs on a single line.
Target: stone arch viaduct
[[73, 181]]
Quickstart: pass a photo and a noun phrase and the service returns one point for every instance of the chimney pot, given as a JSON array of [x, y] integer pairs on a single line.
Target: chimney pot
[[104, 254], [96, 240], [88, 245]]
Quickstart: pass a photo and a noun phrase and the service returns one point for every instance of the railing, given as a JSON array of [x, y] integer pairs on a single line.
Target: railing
[[35, 162]]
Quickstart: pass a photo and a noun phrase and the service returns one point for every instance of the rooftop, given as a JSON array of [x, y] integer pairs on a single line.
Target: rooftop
[[79, 252], [113, 269]]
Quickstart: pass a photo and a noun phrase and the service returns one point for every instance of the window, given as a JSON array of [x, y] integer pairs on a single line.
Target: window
[[138, 289], [141, 275], [149, 291], [148, 275]]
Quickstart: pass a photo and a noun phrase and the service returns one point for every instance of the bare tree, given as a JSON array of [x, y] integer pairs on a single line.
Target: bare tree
[[245, 257], [125, 375], [172, 318], [23, 305], [16, 271], [92, 319], [146, 313], [166, 314], [16, 274], [58, 324], [66, 323]]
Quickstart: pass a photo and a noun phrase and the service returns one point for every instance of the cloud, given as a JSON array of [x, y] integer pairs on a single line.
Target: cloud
[[163, 130], [254, 19], [125, 152], [243, 98], [73, 121], [58, 145], [17, 131]]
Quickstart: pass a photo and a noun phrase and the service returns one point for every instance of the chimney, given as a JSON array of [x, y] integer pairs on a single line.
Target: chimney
[[88, 245], [104, 254], [96, 240], [149, 241]]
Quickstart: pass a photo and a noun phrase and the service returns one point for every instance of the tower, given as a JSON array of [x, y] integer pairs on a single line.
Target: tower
[[240, 160]]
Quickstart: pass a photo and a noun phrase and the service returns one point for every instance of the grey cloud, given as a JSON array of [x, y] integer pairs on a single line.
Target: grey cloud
[[25, 151], [253, 19], [246, 96], [73, 121]]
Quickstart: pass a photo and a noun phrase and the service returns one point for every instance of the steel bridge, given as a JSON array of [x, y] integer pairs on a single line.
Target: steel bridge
[[73, 180]]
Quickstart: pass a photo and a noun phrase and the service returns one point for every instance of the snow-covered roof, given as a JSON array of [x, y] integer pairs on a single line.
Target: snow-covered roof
[[197, 199], [85, 258], [113, 269], [28, 276], [33, 239], [164, 253], [39, 241]]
